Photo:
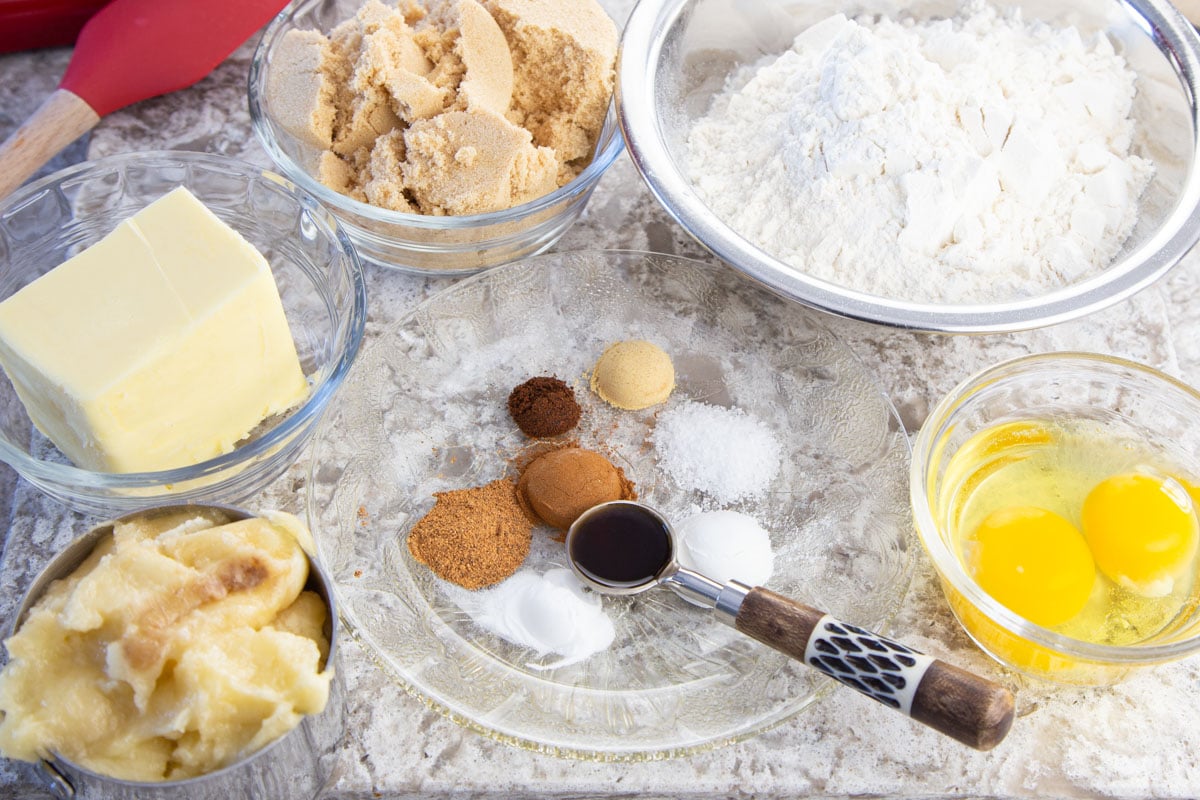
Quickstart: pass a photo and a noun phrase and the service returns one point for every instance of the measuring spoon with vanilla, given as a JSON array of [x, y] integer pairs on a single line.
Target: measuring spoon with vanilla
[[624, 547]]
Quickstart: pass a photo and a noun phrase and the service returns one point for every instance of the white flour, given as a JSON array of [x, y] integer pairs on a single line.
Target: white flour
[[967, 160]]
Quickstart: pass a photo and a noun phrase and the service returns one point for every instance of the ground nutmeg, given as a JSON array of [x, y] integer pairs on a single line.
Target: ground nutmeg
[[544, 406]]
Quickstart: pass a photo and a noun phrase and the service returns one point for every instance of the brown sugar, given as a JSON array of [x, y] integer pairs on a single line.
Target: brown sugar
[[544, 406], [562, 484], [474, 162], [563, 55], [449, 107], [473, 537]]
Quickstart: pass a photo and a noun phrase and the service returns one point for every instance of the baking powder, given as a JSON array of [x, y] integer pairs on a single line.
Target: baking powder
[[964, 160]]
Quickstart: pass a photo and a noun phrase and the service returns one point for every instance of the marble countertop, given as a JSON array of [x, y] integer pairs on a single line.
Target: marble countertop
[[1139, 739]]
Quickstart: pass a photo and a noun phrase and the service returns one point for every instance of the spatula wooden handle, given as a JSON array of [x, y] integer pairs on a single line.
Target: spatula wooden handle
[[971, 709], [58, 121]]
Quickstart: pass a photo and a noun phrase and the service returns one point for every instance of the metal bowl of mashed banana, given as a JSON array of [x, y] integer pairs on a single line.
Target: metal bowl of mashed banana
[[186, 650], [963, 167]]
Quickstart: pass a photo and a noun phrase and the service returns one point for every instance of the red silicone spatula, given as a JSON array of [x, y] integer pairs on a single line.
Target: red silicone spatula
[[129, 51]]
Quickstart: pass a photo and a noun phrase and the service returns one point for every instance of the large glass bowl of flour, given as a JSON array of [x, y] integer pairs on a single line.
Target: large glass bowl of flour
[[965, 167]]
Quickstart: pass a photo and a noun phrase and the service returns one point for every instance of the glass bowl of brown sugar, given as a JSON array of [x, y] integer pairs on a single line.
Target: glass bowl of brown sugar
[[443, 242]]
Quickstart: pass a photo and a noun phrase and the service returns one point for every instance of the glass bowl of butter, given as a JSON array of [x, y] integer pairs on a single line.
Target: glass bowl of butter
[[172, 326], [445, 140]]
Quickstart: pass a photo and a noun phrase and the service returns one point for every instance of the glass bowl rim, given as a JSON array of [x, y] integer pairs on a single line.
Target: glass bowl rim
[[438, 703], [602, 159], [36, 469], [947, 565], [642, 44]]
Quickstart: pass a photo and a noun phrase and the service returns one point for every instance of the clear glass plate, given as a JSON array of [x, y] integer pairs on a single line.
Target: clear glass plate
[[424, 411]]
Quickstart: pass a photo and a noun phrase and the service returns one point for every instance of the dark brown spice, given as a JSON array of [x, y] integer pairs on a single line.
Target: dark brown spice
[[544, 406]]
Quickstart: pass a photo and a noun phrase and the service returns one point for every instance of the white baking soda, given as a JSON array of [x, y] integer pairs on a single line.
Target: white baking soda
[[967, 160], [550, 613]]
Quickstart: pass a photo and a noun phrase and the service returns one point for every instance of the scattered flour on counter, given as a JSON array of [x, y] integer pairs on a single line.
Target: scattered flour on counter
[[968, 160]]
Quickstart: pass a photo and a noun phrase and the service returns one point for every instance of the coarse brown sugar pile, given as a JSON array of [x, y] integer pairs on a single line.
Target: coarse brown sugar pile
[[449, 107], [544, 406], [473, 537]]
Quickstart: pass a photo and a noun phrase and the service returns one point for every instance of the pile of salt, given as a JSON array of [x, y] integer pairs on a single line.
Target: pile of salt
[[723, 452]]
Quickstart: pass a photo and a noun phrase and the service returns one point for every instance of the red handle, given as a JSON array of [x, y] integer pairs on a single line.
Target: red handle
[[134, 49], [30, 24]]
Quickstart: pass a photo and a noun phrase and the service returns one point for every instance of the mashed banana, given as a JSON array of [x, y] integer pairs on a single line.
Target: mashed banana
[[183, 643]]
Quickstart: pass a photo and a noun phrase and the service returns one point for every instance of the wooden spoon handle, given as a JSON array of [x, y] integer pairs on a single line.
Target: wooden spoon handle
[[61, 119], [971, 709]]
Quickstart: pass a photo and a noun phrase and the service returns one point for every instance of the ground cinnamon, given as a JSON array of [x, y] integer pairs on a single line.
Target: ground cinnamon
[[560, 485], [544, 406], [473, 537]]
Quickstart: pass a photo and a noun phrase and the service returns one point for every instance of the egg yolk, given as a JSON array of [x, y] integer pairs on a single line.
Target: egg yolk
[[1034, 562], [1142, 530]]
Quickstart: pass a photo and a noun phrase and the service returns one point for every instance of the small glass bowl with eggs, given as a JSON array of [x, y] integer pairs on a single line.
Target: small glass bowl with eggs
[[1057, 495]]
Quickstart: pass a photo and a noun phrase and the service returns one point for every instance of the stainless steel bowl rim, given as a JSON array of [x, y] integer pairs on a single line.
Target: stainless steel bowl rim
[[71, 556], [641, 46]]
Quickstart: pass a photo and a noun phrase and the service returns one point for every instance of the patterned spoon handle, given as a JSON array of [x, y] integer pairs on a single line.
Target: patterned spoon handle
[[971, 709]]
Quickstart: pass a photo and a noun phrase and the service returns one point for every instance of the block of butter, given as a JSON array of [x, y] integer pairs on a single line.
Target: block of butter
[[159, 346]]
